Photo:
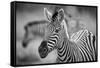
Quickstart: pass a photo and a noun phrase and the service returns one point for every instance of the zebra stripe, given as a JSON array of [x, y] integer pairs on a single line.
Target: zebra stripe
[[81, 47], [82, 50], [52, 41]]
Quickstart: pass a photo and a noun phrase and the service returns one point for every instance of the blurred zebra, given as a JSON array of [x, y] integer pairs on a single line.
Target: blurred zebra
[[81, 47], [33, 29]]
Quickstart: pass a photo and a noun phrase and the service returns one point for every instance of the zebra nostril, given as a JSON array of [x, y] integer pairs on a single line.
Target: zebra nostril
[[44, 50], [43, 45], [57, 31]]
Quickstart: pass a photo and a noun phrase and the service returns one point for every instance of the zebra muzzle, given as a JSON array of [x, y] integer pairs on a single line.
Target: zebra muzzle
[[43, 50]]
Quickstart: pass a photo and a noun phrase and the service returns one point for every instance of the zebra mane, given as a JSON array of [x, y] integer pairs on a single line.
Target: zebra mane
[[65, 28]]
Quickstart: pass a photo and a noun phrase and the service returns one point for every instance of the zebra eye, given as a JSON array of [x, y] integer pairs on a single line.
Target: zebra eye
[[57, 30]]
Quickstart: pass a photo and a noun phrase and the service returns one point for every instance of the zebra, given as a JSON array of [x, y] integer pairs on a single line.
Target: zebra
[[33, 29], [81, 49]]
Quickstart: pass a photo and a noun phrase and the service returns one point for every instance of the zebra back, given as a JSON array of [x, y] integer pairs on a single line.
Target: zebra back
[[81, 47]]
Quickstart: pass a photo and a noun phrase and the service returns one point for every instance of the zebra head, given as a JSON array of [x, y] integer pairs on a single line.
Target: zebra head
[[53, 29]]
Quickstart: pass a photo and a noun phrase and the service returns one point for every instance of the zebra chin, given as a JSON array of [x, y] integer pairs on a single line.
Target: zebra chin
[[43, 55], [43, 49]]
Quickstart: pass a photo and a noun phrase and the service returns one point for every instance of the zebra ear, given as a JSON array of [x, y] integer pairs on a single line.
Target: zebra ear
[[47, 14], [60, 15]]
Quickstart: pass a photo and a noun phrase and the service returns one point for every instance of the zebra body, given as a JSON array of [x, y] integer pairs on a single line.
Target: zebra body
[[81, 46], [83, 49]]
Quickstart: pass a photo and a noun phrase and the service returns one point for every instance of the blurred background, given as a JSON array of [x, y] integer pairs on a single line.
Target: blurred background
[[26, 13]]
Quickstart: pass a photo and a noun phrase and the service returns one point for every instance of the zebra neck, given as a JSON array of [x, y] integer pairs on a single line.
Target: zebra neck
[[67, 52]]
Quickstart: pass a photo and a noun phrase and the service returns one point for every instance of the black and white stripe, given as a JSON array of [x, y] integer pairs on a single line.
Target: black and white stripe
[[82, 50], [83, 47], [52, 41]]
